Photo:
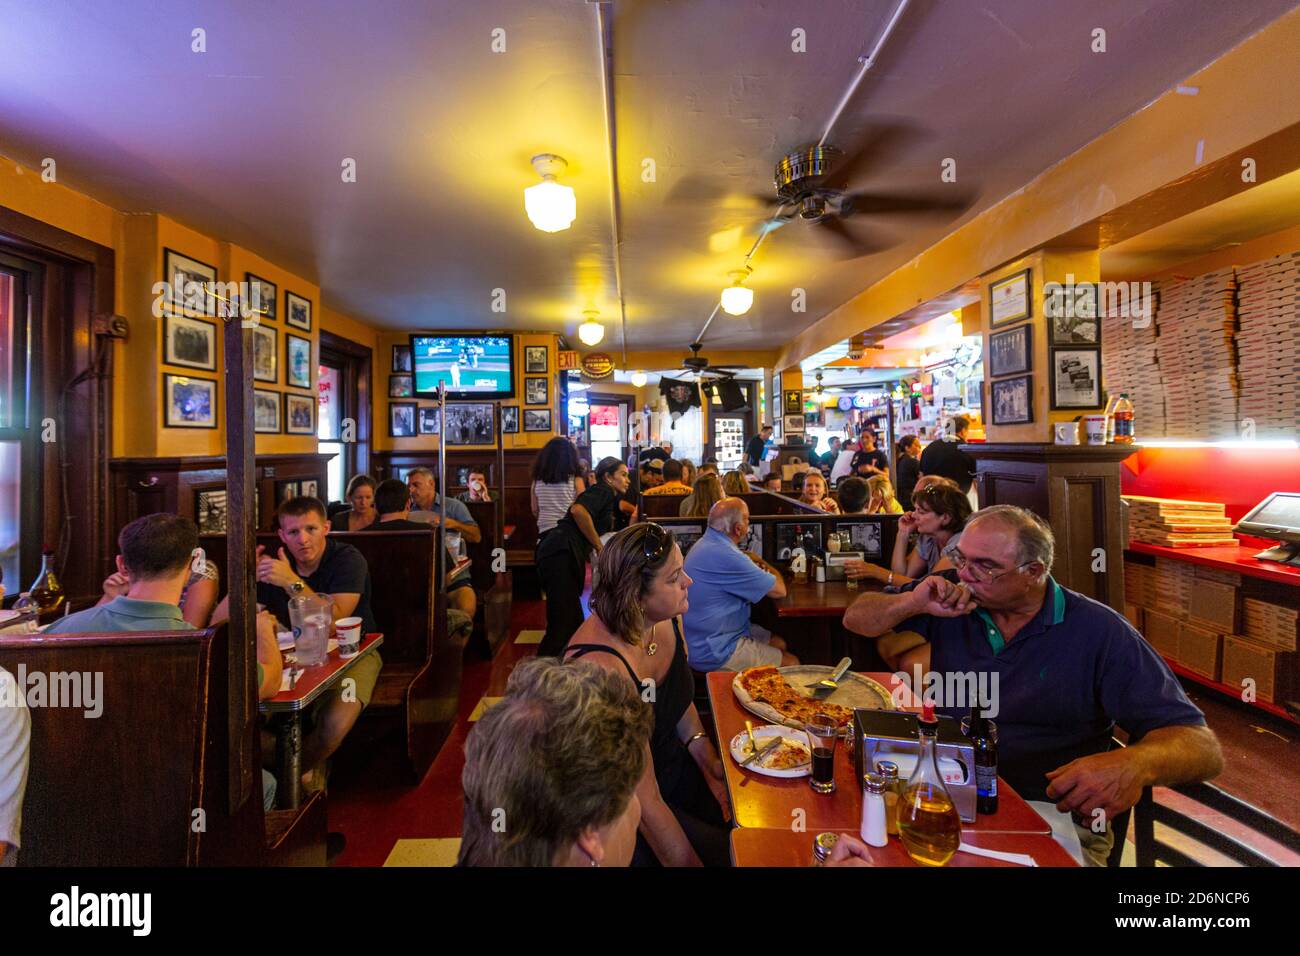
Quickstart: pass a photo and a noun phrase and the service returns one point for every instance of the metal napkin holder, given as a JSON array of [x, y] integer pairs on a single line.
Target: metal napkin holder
[[836, 561], [881, 733]]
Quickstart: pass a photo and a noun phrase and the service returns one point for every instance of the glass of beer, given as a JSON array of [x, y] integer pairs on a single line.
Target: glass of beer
[[823, 734]]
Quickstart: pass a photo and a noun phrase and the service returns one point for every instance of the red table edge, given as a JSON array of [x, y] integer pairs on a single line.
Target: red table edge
[[971, 836], [288, 701]]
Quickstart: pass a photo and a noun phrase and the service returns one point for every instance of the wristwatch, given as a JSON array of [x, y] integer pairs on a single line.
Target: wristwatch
[[297, 587]]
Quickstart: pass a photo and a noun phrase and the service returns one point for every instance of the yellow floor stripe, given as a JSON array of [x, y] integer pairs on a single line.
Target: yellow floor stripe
[[530, 637], [440, 852], [483, 704]]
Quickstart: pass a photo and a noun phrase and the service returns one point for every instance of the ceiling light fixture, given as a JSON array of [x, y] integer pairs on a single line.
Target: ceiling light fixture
[[591, 331], [550, 206], [638, 379], [736, 299]]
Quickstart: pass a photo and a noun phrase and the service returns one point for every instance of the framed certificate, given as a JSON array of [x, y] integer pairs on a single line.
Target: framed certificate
[[1009, 299]]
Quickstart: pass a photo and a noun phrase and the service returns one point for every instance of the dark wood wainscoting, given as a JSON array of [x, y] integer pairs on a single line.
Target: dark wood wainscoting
[[1076, 488], [509, 475], [142, 486]]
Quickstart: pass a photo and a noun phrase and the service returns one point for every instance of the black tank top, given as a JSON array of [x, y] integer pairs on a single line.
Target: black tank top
[[671, 699]]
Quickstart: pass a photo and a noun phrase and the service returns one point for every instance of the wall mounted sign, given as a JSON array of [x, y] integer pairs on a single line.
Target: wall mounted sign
[[568, 360], [1009, 299], [861, 401], [597, 365]]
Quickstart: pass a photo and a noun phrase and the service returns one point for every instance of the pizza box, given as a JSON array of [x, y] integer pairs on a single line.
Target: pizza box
[[1200, 650]]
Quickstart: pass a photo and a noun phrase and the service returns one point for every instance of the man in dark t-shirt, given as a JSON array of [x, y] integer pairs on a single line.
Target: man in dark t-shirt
[[310, 563], [758, 445], [942, 457]]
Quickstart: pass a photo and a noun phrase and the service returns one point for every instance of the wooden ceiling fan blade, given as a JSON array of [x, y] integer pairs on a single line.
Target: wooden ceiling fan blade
[[878, 143], [849, 244]]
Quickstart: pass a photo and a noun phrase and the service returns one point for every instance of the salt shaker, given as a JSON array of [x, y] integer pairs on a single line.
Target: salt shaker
[[874, 827], [823, 844]]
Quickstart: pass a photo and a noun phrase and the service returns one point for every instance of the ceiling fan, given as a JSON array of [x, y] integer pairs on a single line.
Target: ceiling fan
[[703, 371], [813, 185]]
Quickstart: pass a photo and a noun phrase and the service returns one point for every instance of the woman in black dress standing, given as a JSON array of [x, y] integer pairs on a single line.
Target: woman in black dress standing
[[562, 555]]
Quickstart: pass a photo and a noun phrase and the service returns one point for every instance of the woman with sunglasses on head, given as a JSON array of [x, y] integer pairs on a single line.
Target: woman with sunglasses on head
[[635, 630], [562, 554]]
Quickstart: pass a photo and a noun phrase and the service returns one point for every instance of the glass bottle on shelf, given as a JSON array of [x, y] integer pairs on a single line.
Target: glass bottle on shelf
[[928, 822], [47, 592]]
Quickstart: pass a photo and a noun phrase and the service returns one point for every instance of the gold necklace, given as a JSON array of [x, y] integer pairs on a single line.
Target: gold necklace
[[652, 646]]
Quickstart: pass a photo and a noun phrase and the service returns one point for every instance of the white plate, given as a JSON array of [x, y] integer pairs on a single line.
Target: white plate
[[764, 734]]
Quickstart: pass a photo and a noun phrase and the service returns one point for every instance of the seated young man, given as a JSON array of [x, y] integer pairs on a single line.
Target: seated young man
[[1063, 670], [424, 503], [155, 558], [308, 563]]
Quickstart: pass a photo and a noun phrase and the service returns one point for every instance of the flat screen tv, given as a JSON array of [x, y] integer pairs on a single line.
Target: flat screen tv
[[472, 366]]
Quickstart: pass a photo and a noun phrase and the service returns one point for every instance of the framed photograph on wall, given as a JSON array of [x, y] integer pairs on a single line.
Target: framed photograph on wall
[[266, 411], [210, 510], [309, 488], [509, 419], [1011, 352], [794, 424], [189, 291], [402, 358], [284, 490], [428, 420], [189, 342], [537, 419], [535, 391], [793, 403], [262, 296], [299, 414], [1012, 401], [865, 536], [297, 356], [401, 419], [535, 359], [686, 535], [1010, 299], [266, 362], [470, 424], [297, 311], [791, 535], [1076, 378], [1072, 313], [189, 402], [400, 386]]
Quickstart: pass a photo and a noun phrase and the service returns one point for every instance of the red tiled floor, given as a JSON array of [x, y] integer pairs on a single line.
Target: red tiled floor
[[373, 808]]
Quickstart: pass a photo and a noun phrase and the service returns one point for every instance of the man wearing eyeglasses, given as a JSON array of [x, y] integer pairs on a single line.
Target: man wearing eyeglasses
[[1066, 669]]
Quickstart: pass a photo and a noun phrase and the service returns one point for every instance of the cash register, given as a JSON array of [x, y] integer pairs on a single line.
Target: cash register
[[1276, 517]]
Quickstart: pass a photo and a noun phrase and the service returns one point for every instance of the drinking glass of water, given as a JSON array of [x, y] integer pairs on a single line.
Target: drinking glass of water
[[312, 617]]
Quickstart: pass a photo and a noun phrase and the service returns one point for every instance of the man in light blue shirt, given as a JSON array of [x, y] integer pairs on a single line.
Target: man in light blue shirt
[[425, 502], [725, 584]]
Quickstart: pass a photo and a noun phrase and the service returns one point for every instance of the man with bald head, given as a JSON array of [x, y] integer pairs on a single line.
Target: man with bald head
[[725, 583]]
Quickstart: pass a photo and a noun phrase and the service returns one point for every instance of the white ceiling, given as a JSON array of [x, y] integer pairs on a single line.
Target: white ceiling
[[245, 141]]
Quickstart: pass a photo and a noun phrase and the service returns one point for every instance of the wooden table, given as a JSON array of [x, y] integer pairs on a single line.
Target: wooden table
[[752, 847], [824, 599], [774, 803], [288, 705]]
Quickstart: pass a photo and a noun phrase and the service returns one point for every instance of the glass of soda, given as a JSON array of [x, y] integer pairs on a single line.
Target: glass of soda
[[823, 734]]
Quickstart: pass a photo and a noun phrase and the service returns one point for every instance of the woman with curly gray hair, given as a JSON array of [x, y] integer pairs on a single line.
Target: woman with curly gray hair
[[551, 770]]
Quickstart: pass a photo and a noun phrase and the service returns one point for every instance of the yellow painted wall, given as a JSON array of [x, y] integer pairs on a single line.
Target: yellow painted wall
[[138, 241], [1045, 265]]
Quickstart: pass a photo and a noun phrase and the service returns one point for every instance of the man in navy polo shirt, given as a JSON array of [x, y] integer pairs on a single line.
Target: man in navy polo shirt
[[1068, 669]]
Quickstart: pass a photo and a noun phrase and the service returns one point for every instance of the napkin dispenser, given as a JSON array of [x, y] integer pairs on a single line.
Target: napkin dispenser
[[836, 560], [881, 733]]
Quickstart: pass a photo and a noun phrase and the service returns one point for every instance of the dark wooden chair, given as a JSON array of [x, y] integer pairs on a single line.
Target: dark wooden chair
[[661, 506], [1151, 850], [123, 788]]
